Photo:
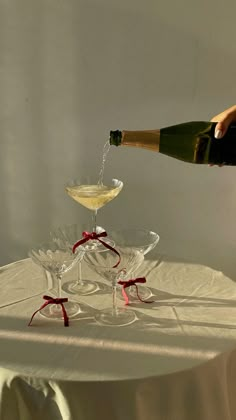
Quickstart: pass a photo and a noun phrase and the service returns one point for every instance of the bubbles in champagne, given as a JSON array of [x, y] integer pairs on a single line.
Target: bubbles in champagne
[[106, 149]]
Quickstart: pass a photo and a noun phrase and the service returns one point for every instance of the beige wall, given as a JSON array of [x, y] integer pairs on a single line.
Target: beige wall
[[70, 71]]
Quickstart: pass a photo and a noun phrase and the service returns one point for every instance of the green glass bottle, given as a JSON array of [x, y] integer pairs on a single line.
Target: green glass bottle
[[192, 142]]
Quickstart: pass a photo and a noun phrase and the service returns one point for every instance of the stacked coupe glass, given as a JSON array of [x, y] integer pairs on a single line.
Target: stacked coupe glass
[[113, 255]]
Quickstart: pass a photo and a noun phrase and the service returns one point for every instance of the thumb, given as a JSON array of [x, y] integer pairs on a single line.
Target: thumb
[[221, 128], [223, 122]]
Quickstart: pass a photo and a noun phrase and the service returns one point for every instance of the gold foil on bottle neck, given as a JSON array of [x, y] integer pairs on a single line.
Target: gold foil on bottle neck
[[149, 139]]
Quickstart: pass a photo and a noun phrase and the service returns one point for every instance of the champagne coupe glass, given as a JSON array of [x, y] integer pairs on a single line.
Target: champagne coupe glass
[[57, 258], [103, 263], [142, 240], [70, 234], [93, 195]]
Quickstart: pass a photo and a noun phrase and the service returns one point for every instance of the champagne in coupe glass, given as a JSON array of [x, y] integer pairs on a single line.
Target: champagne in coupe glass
[[92, 195]]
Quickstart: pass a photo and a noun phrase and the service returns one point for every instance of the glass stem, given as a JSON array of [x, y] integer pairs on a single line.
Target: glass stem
[[51, 282], [94, 220], [58, 277], [114, 304], [79, 281]]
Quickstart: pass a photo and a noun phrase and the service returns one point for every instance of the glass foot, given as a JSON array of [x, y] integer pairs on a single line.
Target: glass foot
[[55, 311], [86, 287], [119, 318]]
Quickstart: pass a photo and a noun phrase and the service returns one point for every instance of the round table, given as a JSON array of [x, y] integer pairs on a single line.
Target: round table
[[187, 332]]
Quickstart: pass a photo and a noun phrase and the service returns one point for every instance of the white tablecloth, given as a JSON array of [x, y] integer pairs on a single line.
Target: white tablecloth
[[177, 361]]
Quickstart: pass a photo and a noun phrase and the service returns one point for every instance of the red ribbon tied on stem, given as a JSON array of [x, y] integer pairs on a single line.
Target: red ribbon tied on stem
[[132, 282], [54, 301], [87, 236]]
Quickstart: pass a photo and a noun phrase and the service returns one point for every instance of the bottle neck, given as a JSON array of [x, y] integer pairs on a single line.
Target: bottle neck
[[147, 139]]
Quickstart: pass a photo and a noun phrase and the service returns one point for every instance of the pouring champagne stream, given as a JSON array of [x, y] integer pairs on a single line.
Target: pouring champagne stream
[[92, 195]]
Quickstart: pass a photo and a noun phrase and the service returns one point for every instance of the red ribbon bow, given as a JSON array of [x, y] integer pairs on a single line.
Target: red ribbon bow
[[55, 301], [132, 282], [87, 236]]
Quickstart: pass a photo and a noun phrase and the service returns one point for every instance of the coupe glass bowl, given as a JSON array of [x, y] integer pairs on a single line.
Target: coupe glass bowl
[[57, 258], [70, 234], [105, 264], [142, 240]]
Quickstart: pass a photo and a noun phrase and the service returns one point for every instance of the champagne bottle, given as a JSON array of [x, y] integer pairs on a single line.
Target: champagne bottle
[[192, 142]]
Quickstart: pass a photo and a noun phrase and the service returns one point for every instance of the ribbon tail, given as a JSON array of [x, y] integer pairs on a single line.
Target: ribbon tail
[[139, 297], [125, 296], [29, 324], [65, 316], [80, 242], [41, 307], [111, 249]]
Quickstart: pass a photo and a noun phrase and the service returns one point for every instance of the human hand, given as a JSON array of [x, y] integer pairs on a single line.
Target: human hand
[[223, 120]]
